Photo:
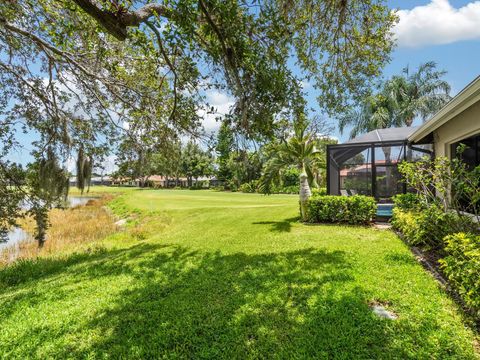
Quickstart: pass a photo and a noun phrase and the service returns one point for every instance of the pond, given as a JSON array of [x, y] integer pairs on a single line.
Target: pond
[[17, 235]]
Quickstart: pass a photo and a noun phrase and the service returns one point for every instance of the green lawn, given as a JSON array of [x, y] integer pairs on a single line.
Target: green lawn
[[215, 275]]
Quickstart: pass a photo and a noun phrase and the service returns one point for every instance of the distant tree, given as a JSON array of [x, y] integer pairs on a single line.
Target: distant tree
[[134, 161], [167, 161], [195, 162], [245, 166]]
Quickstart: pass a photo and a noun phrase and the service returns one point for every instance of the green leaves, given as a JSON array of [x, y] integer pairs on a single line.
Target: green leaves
[[358, 209], [462, 267], [399, 101]]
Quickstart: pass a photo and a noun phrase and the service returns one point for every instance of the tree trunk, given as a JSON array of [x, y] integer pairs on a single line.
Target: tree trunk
[[41, 220], [305, 193]]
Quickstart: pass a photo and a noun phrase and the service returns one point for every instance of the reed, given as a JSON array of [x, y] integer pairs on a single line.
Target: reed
[[70, 229]]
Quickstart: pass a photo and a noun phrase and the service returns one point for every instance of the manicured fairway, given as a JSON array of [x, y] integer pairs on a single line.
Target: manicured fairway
[[202, 274]]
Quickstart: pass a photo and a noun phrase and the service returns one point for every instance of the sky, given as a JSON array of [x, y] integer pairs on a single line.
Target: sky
[[447, 32], [444, 31]]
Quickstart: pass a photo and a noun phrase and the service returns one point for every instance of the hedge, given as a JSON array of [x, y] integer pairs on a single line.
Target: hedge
[[428, 227], [358, 209], [425, 228], [462, 267]]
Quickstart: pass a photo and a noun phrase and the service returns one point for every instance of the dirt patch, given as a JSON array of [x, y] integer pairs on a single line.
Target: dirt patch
[[382, 309]]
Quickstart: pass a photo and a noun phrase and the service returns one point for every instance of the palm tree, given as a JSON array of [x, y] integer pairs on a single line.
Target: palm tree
[[421, 93], [375, 112], [399, 101], [300, 151]]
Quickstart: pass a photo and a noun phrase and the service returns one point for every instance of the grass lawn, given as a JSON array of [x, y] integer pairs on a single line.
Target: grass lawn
[[201, 274]]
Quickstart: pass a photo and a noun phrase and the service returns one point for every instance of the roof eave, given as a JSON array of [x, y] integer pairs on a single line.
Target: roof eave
[[463, 100]]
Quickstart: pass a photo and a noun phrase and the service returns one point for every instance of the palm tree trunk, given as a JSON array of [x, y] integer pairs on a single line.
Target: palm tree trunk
[[305, 193]]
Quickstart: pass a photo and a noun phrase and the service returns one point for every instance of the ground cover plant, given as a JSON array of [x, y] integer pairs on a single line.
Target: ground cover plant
[[227, 275]]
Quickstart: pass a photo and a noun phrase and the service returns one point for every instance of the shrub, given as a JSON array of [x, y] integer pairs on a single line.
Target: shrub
[[319, 191], [290, 177], [200, 185], [356, 209], [407, 201], [428, 227], [249, 187], [449, 183], [462, 266]]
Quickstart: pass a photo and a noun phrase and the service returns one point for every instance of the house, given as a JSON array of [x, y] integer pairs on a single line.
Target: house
[[457, 122], [96, 180], [159, 181], [368, 164]]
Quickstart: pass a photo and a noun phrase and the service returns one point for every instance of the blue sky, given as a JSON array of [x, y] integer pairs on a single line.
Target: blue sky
[[445, 31]]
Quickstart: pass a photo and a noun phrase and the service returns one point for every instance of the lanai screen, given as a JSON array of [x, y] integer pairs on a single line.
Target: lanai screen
[[368, 165]]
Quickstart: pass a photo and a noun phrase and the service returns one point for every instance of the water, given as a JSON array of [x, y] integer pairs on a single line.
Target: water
[[73, 201], [14, 237], [384, 210], [18, 235]]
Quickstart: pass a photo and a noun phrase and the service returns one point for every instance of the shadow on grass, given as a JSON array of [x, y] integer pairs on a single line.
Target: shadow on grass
[[400, 259], [189, 304], [279, 226]]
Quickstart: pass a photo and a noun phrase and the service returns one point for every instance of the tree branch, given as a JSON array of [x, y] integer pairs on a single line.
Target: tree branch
[[116, 23]]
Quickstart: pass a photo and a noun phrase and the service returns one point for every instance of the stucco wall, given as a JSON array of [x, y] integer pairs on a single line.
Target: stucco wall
[[464, 125]]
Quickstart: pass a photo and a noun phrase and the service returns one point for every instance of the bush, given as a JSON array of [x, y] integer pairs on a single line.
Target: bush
[[200, 185], [358, 209], [407, 201], [425, 228], [462, 266], [428, 227], [249, 187], [319, 191], [290, 177]]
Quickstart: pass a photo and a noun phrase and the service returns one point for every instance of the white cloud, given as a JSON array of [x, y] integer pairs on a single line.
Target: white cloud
[[305, 84], [221, 103], [438, 23]]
